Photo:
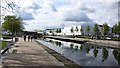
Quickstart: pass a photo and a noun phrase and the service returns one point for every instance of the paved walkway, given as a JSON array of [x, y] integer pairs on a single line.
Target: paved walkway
[[107, 43], [29, 54]]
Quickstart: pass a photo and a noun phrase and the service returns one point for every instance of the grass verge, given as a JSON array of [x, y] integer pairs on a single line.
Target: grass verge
[[3, 44]]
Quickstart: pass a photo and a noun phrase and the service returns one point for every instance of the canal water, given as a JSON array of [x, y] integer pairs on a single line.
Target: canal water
[[84, 54]]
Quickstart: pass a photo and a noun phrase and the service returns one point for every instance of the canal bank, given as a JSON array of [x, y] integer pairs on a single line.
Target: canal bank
[[105, 43]]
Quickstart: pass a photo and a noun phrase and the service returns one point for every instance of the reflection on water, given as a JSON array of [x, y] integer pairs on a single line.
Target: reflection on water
[[81, 47], [95, 51], [105, 54], [76, 47], [58, 43], [83, 54], [87, 49], [116, 54], [71, 46], [50, 41]]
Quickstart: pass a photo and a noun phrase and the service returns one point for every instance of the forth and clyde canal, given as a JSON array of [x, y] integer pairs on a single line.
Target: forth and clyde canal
[[84, 54]]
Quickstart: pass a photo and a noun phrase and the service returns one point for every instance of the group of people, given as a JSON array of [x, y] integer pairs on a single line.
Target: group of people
[[29, 37]]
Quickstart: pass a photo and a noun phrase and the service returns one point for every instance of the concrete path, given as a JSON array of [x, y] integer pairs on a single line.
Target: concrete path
[[29, 54], [106, 43]]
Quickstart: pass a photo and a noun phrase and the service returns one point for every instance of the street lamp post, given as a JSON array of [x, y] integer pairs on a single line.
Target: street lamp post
[[0, 50], [12, 32], [12, 29]]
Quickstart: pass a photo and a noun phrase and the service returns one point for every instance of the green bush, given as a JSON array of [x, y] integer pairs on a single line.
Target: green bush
[[116, 39], [7, 35]]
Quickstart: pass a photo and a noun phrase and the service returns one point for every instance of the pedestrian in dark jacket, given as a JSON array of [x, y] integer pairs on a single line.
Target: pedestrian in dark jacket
[[24, 37], [28, 38], [31, 38]]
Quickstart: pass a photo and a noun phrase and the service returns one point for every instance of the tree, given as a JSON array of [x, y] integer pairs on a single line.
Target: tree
[[76, 29], [96, 29], [59, 30], [13, 24], [72, 30], [11, 6], [118, 28], [88, 29], [115, 29], [81, 29], [51, 31], [105, 28]]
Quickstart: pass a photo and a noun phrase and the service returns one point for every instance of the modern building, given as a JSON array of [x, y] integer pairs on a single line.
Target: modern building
[[76, 30], [50, 31]]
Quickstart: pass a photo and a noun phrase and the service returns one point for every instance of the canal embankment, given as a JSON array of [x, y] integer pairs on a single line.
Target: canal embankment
[[104, 43]]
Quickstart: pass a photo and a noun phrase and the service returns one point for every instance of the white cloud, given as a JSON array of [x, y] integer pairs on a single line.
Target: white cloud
[[105, 12], [34, 6], [26, 16], [78, 13], [119, 10], [76, 16], [48, 6]]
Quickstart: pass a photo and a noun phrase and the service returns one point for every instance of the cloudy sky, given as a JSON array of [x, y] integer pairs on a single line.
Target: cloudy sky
[[43, 14]]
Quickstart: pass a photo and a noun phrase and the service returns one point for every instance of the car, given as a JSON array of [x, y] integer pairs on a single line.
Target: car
[[116, 36], [108, 38]]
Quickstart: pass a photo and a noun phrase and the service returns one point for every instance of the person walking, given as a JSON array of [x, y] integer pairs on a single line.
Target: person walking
[[28, 38], [31, 38], [25, 38]]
